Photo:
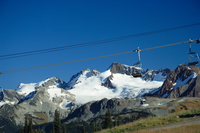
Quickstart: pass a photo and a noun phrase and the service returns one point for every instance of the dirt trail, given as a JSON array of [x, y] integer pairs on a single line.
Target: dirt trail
[[185, 121]]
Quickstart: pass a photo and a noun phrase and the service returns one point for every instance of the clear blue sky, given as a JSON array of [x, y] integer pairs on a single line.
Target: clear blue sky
[[39, 24]]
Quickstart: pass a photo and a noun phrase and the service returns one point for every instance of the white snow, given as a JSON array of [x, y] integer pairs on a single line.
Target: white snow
[[159, 77], [54, 92], [2, 103], [145, 105], [81, 77], [126, 86], [26, 88], [65, 104], [5, 102], [91, 89]]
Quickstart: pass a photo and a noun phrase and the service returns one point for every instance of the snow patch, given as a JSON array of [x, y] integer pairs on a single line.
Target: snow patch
[[2, 103], [54, 92], [145, 105], [65, 104], [159, 77], [125, 86], [25, 89], [91, 89], [179, 82]]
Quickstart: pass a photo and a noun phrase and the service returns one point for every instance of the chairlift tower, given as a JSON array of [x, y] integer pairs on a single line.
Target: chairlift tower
[[193, 57], [138, 64]]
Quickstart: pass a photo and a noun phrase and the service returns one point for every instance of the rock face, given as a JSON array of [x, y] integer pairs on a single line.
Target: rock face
[[148, 74], [183, 82], [54, 81], [10, 96], [153, 106], [41, 105], [123, 69], [122, 106]]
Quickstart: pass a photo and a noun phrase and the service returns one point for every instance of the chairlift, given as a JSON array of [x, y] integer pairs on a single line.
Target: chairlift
[[193, 56], [138, 64]]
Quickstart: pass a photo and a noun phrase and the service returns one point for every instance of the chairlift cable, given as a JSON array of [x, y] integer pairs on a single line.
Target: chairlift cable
[[92, 58], [15, 55]]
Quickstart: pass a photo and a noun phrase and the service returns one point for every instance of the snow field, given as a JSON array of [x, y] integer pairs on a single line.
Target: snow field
[[126, 86]]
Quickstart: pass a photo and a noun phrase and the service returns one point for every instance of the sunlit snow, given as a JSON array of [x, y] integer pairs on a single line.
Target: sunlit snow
[[145, 105], [26, 88], [126, 86], [159, 77], [54, 92]]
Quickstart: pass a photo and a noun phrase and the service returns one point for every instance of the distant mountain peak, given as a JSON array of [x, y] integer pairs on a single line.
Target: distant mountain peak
[[183, 81], [52, 82], [43, 98], [81, 76], [123, 69]]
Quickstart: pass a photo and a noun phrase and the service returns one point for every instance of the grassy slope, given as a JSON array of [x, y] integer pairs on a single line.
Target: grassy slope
[[187, 108], [193, 128]]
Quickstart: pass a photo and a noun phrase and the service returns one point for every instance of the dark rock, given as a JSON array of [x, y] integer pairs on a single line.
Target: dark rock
[[184, 74]]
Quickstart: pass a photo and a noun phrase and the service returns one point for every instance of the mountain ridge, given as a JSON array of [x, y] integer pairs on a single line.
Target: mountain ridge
[[90, 87]]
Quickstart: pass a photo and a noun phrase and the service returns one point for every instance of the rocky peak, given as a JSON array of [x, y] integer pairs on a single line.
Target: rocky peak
[[108, 82], [79, 77], [148, 74], [183, 71], [123, 69], [180, 82], [53, 81]]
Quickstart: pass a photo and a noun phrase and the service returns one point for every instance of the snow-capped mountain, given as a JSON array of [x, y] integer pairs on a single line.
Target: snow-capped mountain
[[90, 85], [41, 99], [38, 99], [81, 76], [53, 82], [116, 82], [92, 88]]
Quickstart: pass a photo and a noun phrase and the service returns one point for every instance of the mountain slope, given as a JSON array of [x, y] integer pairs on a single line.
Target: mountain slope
[[183, 81], [116, 82], [86, 89]]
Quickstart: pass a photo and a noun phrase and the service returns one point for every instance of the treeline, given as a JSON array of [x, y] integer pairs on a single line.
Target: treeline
[[58, 127]]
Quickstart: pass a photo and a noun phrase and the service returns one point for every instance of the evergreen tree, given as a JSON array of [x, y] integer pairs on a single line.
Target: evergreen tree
[[94, 126], [119, 120], [56, 123], [30, 125], [98, 127], [108, 120], [83, 130], [25, 130], [64, 129]]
